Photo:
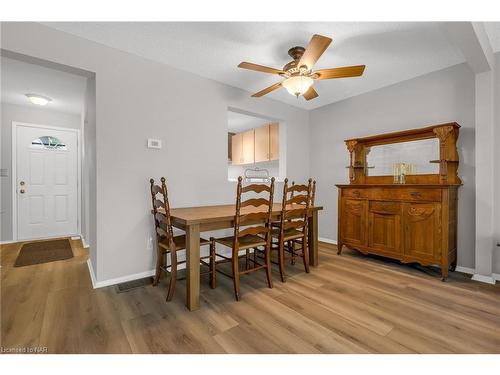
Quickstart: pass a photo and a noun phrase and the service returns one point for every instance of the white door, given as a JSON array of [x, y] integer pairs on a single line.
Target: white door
[[46, 182]]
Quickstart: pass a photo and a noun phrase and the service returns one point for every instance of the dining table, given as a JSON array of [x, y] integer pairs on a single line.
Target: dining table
[[194, 220]]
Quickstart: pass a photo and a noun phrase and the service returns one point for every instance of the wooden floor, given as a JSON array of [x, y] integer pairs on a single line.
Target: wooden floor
[[349, 304]]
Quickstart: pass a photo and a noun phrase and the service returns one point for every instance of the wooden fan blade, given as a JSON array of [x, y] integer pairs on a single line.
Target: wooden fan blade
[[260, 68], [267, 90], [343, 72], [310, 94], [314, 50]]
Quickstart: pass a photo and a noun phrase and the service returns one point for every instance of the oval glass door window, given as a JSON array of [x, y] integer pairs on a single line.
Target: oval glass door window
[[48, 142]]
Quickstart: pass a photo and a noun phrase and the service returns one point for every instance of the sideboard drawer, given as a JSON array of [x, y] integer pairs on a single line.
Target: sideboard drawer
[[433, 195], [405, 194], [385, 207], [355, 193]]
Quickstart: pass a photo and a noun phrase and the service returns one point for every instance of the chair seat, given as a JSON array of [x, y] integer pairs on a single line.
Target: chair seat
[[290, 234], [180, 242], [246, 242]]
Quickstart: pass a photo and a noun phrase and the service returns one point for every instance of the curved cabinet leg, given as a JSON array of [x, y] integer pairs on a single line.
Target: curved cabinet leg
[[444, 273], [453, 266], [339, 247]]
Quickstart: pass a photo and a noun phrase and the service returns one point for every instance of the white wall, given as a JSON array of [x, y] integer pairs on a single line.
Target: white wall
[[12, 112], [496, 158], [137, 99], [89, 206], [443, 96]]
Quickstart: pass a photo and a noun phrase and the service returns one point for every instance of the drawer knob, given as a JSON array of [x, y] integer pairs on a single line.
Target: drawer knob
[[416, 194], [356, 193]]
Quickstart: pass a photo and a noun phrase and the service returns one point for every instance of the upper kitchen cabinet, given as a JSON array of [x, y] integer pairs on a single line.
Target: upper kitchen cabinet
[[256, 145], [248, 147], [274, 141], [262, 144], [236, 149]]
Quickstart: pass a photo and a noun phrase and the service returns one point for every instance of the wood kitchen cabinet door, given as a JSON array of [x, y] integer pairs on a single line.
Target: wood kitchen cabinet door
[[384, 231], [237, 149], [274, 141], [262, 144], [353, 221], [422, 230], [248, 147]]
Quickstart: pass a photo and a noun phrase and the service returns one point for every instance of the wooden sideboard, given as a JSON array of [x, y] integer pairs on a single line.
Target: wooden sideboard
[[411, 222]]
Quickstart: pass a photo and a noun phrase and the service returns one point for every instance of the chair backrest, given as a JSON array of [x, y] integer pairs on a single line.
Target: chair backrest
[[161, 210], [295, 206], [313, 192], [261, 215]]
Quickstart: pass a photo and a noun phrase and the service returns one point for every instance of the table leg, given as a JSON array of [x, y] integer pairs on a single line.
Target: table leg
[[313, 238], [193, 267]]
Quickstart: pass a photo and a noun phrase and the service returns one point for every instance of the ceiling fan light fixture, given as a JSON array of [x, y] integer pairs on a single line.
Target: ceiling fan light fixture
[[38, 99], [297, 85]]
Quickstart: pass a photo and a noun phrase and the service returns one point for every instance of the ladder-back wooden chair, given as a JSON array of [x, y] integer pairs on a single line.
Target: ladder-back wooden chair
[[252, 211], [293, 226], [167, 243], [291, 244]]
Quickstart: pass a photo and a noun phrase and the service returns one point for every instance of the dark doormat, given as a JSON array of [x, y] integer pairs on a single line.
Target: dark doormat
[[43, 252]]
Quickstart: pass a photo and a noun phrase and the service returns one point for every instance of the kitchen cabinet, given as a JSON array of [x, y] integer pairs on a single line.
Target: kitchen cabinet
[[262, 144], [274, 141]]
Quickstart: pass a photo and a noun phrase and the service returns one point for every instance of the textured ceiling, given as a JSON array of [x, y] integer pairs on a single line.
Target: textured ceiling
[[19, 78], [391, 51]]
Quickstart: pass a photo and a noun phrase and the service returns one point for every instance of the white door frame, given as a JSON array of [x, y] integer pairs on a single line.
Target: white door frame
[[15, 125]]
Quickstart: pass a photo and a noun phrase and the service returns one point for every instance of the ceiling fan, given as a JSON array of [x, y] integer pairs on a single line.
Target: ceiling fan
[[298, 74]]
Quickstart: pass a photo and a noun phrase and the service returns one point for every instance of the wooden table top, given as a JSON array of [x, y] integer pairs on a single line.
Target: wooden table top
[[210, 214]]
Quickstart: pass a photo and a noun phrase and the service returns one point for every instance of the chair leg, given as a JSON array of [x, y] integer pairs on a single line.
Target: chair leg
[[281, 259], [236, 275], [305, 253], [291, 247], [268, 265], [159, 261], [247, 254], [173, 275], [213, 271]]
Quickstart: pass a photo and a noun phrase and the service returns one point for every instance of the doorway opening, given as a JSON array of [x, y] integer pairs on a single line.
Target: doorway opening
[[46, 130], [256, 147]]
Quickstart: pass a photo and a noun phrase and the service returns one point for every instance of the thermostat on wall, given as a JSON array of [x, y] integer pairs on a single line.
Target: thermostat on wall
[[154, 143]]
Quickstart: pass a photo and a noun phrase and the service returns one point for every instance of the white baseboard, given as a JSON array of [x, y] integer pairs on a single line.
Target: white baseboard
[[76, 237], [8, 242], [496, 276], [467, 270], [101, 284], [84, 243], [483, 278], [327, 240], [91, 273]]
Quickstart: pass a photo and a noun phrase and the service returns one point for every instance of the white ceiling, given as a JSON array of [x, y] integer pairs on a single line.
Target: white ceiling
[[19, 78], [391, 51], [238, 122]]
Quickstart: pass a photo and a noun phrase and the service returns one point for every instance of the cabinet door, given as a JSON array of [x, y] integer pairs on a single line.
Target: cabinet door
[[262, 144], [237, 149], [274, 141], [384, 222], [248, 147], [353, 221], [422, 228]]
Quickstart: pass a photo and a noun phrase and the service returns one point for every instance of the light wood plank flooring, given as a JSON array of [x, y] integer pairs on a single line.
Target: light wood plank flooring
[[349, 304]]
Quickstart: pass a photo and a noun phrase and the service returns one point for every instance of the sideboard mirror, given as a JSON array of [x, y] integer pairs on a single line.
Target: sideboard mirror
[[382, 160], [418, 156]]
